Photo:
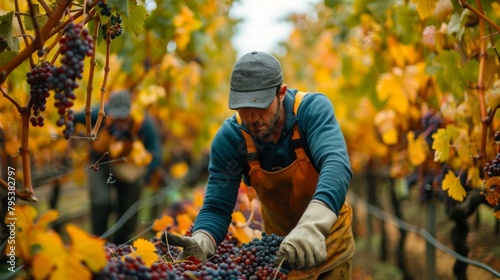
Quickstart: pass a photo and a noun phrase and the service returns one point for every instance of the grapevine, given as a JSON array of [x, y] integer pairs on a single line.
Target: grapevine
[[75, 45], [38, 79]]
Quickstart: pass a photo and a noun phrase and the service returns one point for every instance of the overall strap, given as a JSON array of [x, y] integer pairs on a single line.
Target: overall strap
[[252, 154], [296, 143]]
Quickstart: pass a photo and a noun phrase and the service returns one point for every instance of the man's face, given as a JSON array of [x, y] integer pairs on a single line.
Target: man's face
[[122, 123], [262, 123]]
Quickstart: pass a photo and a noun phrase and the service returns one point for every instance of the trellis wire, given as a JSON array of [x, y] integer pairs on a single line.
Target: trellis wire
[[387, 217]]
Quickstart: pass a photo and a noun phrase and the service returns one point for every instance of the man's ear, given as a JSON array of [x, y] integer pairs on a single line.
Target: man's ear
[[283, 89]]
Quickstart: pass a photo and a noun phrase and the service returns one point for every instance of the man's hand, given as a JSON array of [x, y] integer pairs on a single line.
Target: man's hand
[[305, 247], [199, 245]]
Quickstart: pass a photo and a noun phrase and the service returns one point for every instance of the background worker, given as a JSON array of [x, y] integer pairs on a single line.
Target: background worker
[[134, 149]]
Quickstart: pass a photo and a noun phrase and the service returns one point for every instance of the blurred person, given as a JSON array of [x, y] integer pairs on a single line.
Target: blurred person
[[123, 159], [288, 146]]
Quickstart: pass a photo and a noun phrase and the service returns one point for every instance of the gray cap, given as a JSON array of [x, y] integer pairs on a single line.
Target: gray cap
[[254, 80], [119, 104]]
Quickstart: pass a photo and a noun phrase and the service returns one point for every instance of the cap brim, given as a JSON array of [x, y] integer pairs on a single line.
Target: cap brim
[[256, 99], [118, 114]]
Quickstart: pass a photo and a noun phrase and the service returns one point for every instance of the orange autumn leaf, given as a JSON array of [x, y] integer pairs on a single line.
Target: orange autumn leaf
[[497, 214], [87, 248], [145, 250], [184, 222], [239, 233], [162, 223], [238, 217], [198, 197]]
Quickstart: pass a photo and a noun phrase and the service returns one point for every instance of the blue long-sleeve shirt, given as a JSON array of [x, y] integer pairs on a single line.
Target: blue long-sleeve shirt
[[147, 133], [323, 142]]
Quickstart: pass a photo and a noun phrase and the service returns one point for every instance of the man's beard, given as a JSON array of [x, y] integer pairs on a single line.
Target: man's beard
[[265, 131]]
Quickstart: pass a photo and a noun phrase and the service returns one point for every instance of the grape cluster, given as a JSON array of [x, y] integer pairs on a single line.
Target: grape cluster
[[230, 261], [256, 258], [497, 136], [493, 167], [115, 27], [430, 122], [38, 79], [105, 9], [75, 45]]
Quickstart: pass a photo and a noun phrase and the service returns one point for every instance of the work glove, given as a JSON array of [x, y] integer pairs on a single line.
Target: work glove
[[305, 246], [198, 245]]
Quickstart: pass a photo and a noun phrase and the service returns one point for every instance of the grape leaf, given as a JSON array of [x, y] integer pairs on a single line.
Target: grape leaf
[[145, 250], [390, 88], [183, 223], [6, 37], [417, 148], [162, 223], [451, 183], [134, 22], [86, 248], [425, 8], [41, 19], [441, 144], [474, 178]]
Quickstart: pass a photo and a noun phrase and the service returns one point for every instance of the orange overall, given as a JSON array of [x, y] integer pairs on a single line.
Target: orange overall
[[284, 196]]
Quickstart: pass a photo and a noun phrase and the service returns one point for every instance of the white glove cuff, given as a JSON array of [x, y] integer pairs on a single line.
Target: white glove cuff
[[320, 215], [206, 242]]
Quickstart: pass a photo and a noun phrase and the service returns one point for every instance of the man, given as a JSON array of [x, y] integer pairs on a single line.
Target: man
[[289, 147], [114, 166]]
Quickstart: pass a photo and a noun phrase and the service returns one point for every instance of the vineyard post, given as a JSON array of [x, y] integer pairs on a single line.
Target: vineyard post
[[430, 251]]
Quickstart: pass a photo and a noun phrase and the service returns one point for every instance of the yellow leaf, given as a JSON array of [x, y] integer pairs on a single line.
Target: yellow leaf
[[425, 8], [179, 169], [417, 148], [452, 184], [115, 149], [474, 178], [25, 228], [238, 217], [389, 87], [42, 266], [441, 144], [47, 218], [139, 155], [49, 255], [145, 250], [390, 137], [87, 248], [162, 223]]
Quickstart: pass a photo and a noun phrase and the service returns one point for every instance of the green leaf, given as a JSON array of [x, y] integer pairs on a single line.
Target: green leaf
[[6, 56], [407, 26], [6, 33], [119, 6], [135, 21], [41, 19], [455, 26]]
